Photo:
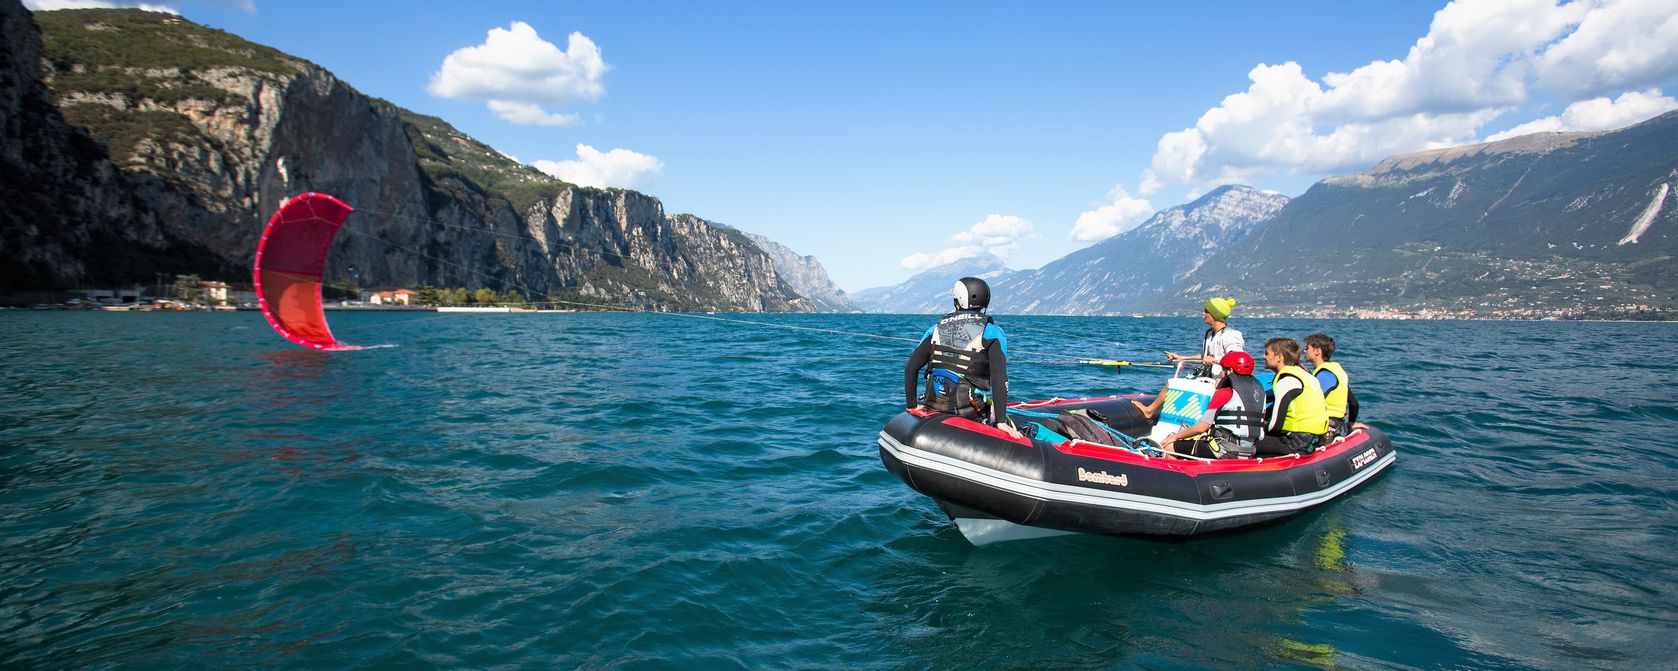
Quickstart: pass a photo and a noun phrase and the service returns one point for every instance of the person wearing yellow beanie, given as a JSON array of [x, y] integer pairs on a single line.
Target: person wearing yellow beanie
[[1220, 340], [1219, 308]]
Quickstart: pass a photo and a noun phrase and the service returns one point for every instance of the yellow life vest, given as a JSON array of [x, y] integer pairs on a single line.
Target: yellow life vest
[[1336, 397], [1307, 413]]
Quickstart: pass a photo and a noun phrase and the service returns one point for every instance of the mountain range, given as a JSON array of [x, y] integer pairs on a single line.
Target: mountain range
[[1551, 224], [930, 290], [136, 144], [1122, 273], [1118, 275], [1581, 224]]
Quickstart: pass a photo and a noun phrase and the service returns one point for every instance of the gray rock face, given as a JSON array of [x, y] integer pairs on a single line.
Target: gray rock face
[[806, 276], [207, 153], [1123, 273], [1117, 275], [59, 197]]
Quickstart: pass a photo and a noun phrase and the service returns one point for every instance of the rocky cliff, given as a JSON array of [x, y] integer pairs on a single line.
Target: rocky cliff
[[211, 132], [806, 276], [66, 213]]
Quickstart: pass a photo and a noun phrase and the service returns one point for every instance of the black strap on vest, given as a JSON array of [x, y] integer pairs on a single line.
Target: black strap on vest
[[959, 360], [1242, 418], [1252, 401], [950, 358]]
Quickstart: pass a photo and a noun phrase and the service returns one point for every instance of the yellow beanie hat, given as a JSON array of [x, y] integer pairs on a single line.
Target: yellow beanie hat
[[1220, 307]]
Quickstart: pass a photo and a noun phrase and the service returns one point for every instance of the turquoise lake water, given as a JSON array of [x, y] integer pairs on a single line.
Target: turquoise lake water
[[657, 491]]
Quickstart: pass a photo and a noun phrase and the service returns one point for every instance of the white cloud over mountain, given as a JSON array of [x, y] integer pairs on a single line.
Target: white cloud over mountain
[[1617, 46], [1597, 114], [619, 168], [518, 72], [1481, 60], [1121, 213], [997, 234]]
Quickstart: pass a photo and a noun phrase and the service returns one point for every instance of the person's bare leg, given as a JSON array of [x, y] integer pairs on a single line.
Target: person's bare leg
[[1152, 408]]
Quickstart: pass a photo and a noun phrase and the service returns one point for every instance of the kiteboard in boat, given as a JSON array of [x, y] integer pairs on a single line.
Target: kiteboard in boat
[[1060, 478]]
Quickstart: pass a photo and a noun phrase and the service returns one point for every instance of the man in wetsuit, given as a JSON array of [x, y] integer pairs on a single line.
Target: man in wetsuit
[[1337, 387], [1298, 420], [966, 356]]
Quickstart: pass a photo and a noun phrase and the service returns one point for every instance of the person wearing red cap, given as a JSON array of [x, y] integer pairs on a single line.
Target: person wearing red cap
[[1234, 419]]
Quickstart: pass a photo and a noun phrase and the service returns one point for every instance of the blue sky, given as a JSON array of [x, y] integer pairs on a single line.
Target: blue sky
[[886, 137]]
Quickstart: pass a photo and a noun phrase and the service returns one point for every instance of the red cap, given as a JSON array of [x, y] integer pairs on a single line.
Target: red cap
[[1238, 362]]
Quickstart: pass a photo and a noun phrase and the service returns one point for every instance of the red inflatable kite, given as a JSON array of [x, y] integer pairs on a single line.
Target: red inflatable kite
[[289, 262]]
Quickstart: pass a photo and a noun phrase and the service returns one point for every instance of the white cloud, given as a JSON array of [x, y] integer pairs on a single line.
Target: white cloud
[[1477, 54], [518, 72], [1481, 59], [1121, 213], [1174, 160], [1618, 46], [49, 5], [998, 234], [529, 114], [620, 168], [1598, 114]]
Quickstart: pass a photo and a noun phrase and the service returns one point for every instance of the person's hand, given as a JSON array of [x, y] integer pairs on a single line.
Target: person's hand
[[1010, 430], [1172, 357]]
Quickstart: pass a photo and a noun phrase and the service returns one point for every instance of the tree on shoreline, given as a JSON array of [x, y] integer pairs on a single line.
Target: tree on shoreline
[[190, 289]]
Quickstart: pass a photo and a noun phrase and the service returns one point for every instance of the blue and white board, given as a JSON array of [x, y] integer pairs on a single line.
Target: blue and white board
[[1185, 401]]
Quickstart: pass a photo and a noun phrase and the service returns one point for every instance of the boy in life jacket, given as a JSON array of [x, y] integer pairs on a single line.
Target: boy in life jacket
[[1220, 339], [1298, 417], [1234, 419], [1337, 388], [968, 357]]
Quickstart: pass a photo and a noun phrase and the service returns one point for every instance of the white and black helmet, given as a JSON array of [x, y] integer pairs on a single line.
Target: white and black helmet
[[971, 293]]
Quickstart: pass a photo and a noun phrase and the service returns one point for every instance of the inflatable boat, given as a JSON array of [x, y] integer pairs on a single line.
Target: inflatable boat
[[996, 487]]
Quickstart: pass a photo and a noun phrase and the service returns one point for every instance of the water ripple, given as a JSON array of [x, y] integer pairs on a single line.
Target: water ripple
[[592, 490]]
